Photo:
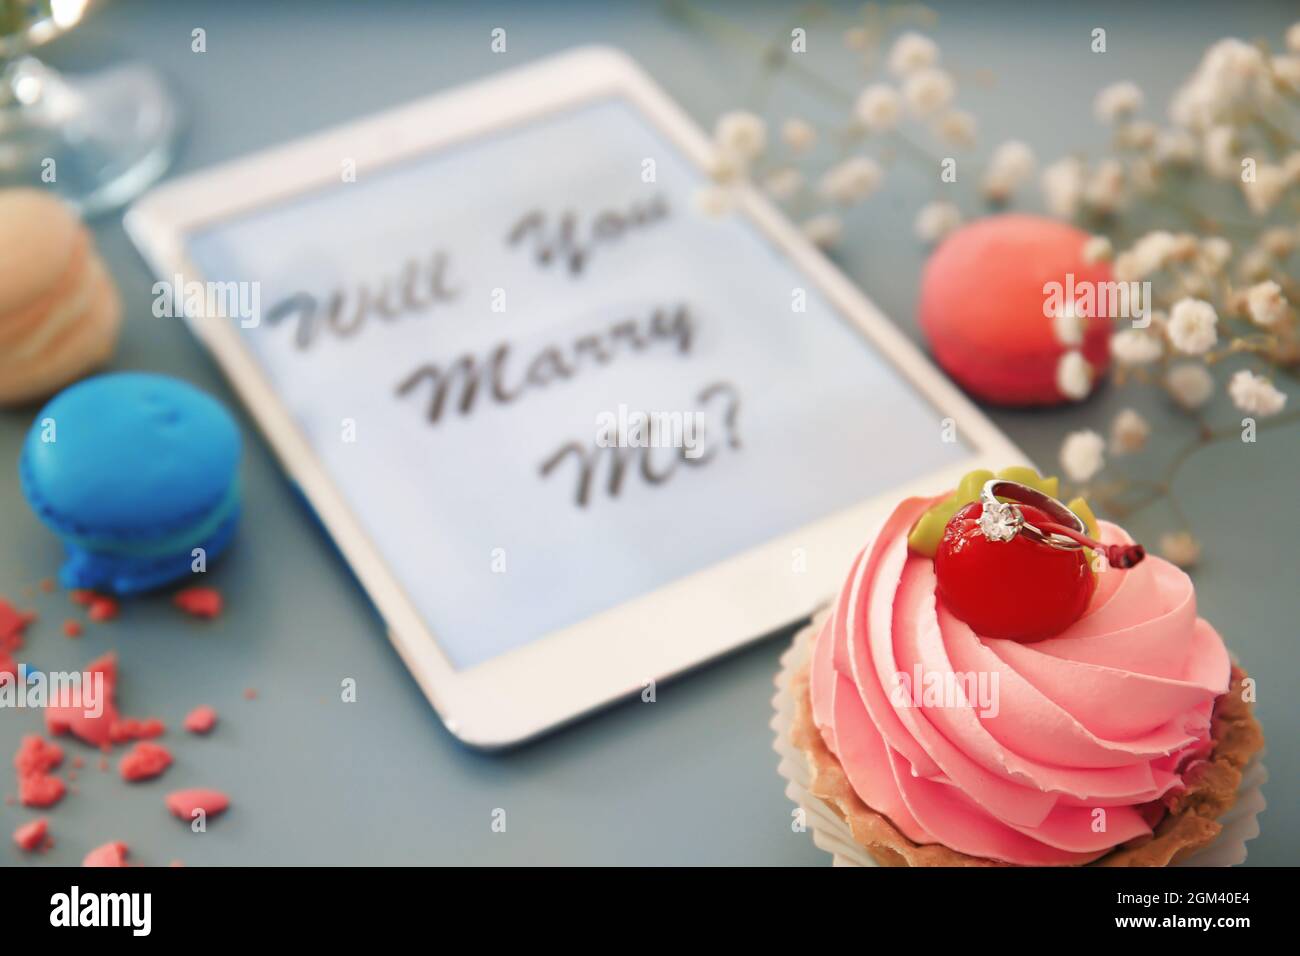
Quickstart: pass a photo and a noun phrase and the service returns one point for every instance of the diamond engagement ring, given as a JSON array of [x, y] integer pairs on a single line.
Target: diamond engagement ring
[[1064, 530]]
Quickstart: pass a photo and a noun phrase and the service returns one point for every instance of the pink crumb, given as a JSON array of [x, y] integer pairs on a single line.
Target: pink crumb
[[250, 693], [34, 760], [183, 803], [110, 854], [64, 716], [199, 602], [102, 608], [40, 790], [78, 761], [144, 761], [81, 596], [12, 624], [47, 585], [71, 628], [103, 763], [32, 835], [36, 755], [201, 720], [133, 728]]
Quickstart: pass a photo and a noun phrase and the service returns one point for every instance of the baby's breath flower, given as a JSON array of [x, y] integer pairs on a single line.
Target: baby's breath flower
[[1215, 252], [879, 107], [1074, 376], [1256, 264], [1232, 76], [713, 202], [1097, 249], [1135, 347], [1138, 134], [1068, 324], [1011, 163], [1263, 192], [823, 230], [1127, 267], [1143, 175], [798, 134], [1196, 285], [1177, 147], [1062, 184], [1193, 326], [1293, 37], [1219, 152], [912, 52], [1152, 252], [1082, 455], [1128, 432], [1117, 101], [1105, 188], [1266, 303], [1190, 384], [928, 91], [1254, 394], [1180, 548], [741, 134], [851, 181], [1287, 71], [1279, 241], [782, 184], [1291, 166], [857, 38], [726, 168], [957, 127], [936, 219], [1183, 248]]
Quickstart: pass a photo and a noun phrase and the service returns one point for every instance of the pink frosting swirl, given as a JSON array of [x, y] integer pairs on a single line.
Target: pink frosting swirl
[[1035, 754]]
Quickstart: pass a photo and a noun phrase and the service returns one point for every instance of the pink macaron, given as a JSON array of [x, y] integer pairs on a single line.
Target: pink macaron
[[986, 307]]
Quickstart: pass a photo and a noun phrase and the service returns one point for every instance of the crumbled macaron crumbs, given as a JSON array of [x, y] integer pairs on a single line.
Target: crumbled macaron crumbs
[[36, 757], [102, 608], [185, 803], [33, 836], [201, 720], [199, 602], [144, 761], [110, 854]]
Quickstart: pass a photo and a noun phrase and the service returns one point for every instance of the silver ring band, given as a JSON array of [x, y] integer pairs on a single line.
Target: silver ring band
[[1006, 520]]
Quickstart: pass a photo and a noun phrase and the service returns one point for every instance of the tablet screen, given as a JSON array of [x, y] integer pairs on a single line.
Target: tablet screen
[[546, 384]]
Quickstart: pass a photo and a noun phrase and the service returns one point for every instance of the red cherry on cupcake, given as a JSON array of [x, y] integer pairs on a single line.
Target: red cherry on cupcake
[[1021, 590]]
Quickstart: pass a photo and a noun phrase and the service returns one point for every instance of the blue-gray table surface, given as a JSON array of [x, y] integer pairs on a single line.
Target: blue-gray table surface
[[691, 778]]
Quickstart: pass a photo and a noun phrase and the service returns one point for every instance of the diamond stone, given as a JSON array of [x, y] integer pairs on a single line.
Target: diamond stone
[[1001, 522]]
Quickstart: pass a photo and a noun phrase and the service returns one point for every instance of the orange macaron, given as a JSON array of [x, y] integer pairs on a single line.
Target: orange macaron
[[59, 309]]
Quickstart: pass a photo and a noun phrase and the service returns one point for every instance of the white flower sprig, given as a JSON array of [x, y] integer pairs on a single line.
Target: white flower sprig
[[1218, 288]]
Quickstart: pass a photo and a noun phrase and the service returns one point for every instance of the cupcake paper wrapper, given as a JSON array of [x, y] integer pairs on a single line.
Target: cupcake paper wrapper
[[831, 833]]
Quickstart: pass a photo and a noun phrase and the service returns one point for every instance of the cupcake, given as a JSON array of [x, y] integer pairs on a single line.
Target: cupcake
[[1004, 680]]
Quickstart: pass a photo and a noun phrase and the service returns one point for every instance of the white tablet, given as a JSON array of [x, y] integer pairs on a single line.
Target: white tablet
[[572, 435]]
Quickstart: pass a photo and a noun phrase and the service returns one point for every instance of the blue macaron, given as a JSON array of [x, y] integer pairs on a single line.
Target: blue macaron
[[135, 472]]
